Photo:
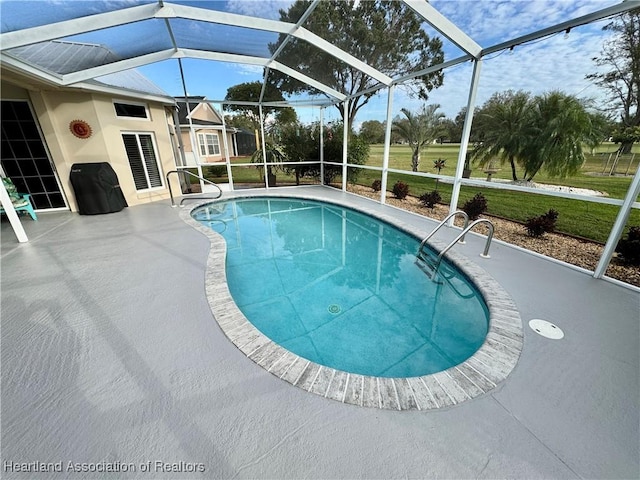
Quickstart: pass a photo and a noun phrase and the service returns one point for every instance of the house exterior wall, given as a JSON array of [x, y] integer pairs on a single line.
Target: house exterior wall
[[192, 152], [205, 112], [56, 108], [13, 92]]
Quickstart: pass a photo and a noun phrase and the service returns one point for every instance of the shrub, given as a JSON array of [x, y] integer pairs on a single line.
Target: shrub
[[629, 248], [213, 172], [475, 206], [400, 190], [430, 199], [536, 226], [357, 154], [545, 223], [376, 185], [551, 216]]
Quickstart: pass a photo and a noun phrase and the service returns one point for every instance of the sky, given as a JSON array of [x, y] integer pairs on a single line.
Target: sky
[[558, 62]]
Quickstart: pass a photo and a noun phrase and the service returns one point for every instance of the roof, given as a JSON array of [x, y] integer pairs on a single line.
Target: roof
[[143, 32], [185, 108], [62, 57]]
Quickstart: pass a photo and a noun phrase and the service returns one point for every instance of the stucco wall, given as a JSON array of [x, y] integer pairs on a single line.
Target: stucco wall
[[13, 92], [186, 139], [56, 109]]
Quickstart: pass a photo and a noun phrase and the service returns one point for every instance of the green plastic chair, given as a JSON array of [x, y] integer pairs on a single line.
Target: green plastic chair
[[21, 201]]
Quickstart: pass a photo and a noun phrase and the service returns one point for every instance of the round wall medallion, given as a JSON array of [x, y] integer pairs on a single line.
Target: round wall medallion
[[80, 128]]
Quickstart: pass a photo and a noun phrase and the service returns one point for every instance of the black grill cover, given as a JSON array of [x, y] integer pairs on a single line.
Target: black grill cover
[[97, 188]]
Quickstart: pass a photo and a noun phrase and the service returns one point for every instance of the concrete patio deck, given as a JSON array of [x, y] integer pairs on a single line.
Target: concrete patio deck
[[111, 358]]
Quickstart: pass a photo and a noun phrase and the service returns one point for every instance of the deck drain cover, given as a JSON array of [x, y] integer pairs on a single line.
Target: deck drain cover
[[333, 308], [546, 329]]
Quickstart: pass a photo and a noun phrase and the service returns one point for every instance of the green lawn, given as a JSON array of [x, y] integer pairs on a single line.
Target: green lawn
[[585, 219], [615, 186]]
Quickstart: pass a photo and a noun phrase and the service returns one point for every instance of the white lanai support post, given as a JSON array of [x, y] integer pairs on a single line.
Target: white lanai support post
[[345, 145], [618, 226], [226, 147], [387, 146], [178, 130], [195, 147], [321, 146], [182, 181], [264, 148], [466, 132], [12, 215]]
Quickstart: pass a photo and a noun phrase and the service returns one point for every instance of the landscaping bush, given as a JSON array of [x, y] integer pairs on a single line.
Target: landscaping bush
[[629, 248], [545, 223], [357, 154], [536, 226], [551, 216], [213, 172], [430, 199], [400, 190], [475, 206], [376, 185]]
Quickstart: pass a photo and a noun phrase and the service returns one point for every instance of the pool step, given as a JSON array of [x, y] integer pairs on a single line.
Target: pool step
[[428, 264]]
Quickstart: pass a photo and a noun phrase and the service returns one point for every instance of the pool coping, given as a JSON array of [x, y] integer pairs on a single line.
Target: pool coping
[[480, 374]]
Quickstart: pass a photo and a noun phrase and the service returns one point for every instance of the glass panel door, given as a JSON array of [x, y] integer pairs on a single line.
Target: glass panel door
[[24, 157]]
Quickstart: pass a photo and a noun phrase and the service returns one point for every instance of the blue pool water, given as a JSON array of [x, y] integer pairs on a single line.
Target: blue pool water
[[342, 289]]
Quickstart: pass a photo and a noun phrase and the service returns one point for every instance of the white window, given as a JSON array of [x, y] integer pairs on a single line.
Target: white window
[[143, 159], [209, 144], [131, 110]]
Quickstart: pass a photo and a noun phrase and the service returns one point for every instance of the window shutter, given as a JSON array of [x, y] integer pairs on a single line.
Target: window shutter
[[135, 161], [142, 160], [150, 161]]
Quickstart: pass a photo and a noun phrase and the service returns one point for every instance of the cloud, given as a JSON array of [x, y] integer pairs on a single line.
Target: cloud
[[548, 64], [557, 63], [489, 22], [248, 70], [259, 8]]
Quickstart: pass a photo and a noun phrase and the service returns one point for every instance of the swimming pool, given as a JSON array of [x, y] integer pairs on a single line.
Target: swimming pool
[[387, 387], [343, 289]]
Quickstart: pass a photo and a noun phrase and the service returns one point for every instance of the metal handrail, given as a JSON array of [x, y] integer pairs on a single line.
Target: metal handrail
[[457, 212], [173, 203], [484, 254]]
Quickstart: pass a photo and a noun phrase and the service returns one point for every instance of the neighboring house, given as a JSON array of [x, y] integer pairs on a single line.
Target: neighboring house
[[201, 125], [122, 118]]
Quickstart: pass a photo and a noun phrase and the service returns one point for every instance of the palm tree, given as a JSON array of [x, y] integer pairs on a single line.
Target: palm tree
[[274, 156], [502, 122], [559, 125], [419, 129]]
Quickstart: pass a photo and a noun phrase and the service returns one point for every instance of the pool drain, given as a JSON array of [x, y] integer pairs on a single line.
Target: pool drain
[[334, 309], [546, 329]]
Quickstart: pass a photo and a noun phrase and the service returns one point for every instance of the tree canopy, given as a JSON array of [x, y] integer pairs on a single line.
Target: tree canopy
[[547, 131], [240, 120], [559, 125], [620, 75], [250, 92], [387, 35], [500, 128], [372, 131]]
